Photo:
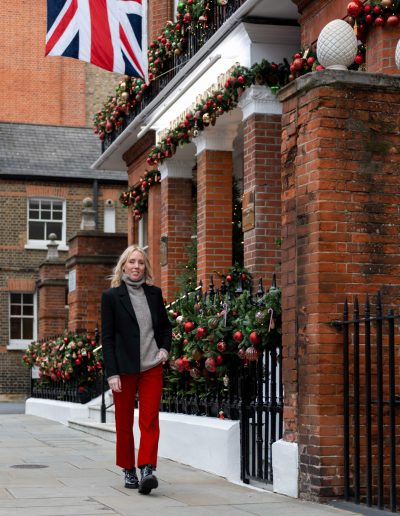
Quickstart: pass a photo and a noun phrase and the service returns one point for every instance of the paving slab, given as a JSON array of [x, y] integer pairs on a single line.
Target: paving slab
[[48, 469]]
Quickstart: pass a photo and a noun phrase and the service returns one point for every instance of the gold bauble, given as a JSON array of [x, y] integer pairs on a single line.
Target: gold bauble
[[124, 96], [206, 118], [387, 4]]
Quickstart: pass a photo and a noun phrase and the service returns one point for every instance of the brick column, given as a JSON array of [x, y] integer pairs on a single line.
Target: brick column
[[262, 180], [341, 192], [214, 200], [154, 231], [52, 284], [176, 216], [92, 256]]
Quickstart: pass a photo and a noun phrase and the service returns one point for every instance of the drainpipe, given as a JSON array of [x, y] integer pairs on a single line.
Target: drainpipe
[[96, 202]]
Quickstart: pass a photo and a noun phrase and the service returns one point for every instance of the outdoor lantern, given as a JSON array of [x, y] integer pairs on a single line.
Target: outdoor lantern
[[337, 45]]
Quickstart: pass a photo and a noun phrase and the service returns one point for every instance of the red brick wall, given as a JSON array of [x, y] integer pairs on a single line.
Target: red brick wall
[[35, 89], [340, 175], [214, 213], [176, 224], [158, 14], [262, 174], [381, 50]]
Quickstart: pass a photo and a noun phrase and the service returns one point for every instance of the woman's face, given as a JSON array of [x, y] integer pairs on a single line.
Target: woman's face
[[135, 266]]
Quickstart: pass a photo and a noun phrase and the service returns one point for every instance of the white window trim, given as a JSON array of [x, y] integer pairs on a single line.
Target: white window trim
[[141, 235], [22, 344], [42, 244]]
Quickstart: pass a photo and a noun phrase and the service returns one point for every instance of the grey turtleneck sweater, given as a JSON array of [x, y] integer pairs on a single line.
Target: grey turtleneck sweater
[[148, 345]]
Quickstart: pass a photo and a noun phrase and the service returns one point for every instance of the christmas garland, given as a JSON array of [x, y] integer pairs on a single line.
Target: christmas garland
[[212, 332], [65, 358], [137, 196]]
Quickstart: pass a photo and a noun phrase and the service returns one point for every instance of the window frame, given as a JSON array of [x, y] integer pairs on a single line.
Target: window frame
[[21, 344], [42, 244]]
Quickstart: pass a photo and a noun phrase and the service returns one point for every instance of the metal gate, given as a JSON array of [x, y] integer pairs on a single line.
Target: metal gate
[[261, 413], [371, 359]]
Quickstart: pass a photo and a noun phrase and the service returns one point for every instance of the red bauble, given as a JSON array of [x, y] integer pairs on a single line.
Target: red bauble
[[210, 365], [255, 338], [242, 353], [298, 63], [229, 278], [377, 9], [188, 326], [359, 59], [221, 346], [393, 20], [219, 359], [179, 364], [185, 363], [379, 21], [238, 336], [310, 61], [200, 332], [354, 9], [368, 19]]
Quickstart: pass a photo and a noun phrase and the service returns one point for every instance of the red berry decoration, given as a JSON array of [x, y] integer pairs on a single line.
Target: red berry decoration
[[238, 336], [298, 63], [219, 359]]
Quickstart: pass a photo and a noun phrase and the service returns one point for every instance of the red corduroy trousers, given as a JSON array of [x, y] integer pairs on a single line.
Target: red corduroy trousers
[[148, 384]]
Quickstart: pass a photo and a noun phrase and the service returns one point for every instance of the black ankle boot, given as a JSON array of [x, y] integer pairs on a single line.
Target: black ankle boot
[[131, 479], [148, 480]]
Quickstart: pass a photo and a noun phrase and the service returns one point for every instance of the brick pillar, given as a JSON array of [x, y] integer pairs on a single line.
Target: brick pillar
[[341, 193], [154, 231], [92, 256], [51, 287], [262, 181], [176, 217], [214, 200]]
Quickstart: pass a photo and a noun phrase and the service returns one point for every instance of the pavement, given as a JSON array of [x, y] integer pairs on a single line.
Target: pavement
[[48, 469]]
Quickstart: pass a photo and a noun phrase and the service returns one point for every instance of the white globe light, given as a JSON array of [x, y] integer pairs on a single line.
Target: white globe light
[[397, 54], [337, 45]]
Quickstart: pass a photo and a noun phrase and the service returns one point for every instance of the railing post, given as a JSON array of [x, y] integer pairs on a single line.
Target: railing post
[[103, 408]]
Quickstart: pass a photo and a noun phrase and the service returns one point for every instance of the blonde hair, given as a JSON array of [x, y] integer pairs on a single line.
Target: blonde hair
[[119, 268]]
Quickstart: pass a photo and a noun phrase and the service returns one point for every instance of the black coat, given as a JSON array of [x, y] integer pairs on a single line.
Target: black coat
[[120, 330]]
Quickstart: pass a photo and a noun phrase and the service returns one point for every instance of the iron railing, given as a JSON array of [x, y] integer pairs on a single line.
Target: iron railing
[[371, 406], [196, 37]]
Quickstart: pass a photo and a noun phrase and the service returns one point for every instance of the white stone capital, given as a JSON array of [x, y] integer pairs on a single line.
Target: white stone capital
[[259, 99], [178, 168]]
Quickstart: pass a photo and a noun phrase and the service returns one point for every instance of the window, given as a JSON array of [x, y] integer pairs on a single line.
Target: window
[[45, 216], [143, 237], [22, 319]]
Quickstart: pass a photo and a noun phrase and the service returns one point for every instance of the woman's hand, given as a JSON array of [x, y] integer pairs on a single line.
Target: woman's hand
[[114, 383], [162, 355]]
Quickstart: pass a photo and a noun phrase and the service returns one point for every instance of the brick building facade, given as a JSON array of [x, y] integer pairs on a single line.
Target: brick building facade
[[319, 163]]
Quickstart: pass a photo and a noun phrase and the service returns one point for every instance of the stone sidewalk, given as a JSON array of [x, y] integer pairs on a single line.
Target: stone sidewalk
[[48, 469]]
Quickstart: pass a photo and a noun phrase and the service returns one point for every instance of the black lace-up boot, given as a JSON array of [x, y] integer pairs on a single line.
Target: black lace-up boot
[[131, 479], [148, 480]]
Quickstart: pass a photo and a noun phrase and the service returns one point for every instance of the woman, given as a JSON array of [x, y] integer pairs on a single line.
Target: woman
[[136, 338]]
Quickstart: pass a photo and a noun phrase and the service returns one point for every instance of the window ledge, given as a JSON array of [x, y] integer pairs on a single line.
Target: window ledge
[[43, 246], [18, 345]]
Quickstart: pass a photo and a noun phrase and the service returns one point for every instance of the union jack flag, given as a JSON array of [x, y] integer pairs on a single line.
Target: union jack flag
[[110, 34]]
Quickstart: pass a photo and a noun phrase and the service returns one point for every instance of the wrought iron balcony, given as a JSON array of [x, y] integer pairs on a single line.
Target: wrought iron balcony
[[196, 37]]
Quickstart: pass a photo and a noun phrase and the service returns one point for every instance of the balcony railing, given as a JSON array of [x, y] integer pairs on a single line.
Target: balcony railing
[[196, 37]]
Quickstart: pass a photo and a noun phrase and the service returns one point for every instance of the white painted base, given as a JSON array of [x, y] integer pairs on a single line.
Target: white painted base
[[61, 411], [205, 443], [285, 465]]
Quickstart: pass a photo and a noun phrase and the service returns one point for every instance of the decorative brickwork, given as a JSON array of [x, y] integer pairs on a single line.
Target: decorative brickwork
[[340, 175]]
